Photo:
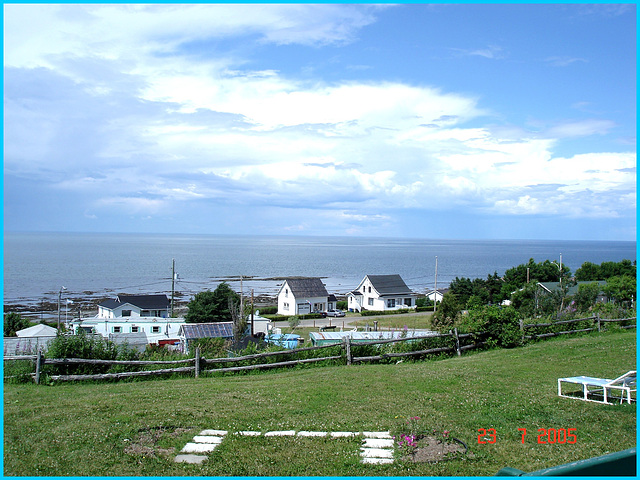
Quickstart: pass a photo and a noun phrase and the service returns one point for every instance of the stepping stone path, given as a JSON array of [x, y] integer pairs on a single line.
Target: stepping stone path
[[377, 447]]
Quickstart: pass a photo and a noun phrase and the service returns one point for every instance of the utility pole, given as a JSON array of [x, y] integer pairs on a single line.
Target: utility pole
[[252, 332], [435, 290], [173, 282], [59, 298]]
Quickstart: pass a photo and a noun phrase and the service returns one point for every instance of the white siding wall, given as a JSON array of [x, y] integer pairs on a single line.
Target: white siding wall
[[289, 305]]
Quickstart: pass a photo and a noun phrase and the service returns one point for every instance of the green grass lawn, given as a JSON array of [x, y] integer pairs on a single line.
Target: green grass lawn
[[137, 428]]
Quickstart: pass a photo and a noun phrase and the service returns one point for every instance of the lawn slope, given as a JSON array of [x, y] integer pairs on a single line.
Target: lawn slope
[[136, 428]]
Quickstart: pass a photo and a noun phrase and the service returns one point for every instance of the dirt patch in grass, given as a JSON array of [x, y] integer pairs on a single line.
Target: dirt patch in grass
[[432, 449], [147, 440]]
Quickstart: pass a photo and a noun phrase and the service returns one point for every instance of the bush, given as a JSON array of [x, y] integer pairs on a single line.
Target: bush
[[500, 326], [270, 310], [93, 347], [210, 347]]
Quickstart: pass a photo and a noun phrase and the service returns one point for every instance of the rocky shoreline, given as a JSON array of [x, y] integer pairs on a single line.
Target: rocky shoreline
[[87, 306]]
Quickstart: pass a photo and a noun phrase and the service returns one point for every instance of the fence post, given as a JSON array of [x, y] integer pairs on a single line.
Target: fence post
[[197, 372], [347, 347], [522, 328], [598, 320], [455, 332], [38, 366]]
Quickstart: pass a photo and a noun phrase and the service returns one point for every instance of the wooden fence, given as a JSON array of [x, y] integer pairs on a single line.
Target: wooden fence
[[597, 325], [198, 364]]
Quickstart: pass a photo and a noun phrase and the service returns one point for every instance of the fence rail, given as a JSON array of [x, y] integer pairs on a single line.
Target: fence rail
[[346, 355], [597, 321]]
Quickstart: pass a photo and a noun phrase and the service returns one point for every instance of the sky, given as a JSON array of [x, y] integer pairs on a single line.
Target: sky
[[460, 121]]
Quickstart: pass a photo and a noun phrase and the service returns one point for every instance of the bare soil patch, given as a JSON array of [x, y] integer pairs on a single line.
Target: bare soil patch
[[146, 442], [432, 449]]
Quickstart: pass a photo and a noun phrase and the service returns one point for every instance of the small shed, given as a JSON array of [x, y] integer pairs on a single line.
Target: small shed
[[40, 330], [193, 331], [136, 341]]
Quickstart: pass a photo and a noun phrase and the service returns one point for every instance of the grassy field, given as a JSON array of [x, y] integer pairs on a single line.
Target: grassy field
[[137, 428]]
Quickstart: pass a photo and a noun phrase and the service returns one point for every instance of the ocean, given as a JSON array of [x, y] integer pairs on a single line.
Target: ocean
[[92, 266]]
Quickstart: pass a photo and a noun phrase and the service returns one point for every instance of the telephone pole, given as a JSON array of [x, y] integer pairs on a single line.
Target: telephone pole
[[173, 282], [435, 289]]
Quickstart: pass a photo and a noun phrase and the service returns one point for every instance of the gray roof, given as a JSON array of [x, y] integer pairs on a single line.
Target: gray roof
[[144, 302], [207, 330], [573, 289], [307, 287], [389, 285]]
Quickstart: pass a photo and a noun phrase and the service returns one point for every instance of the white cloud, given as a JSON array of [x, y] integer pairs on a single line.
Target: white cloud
[[144, 115]]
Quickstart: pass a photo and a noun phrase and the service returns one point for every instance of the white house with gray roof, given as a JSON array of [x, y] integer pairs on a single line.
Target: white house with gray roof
[[299, 296], [380, 293], [135, 306]]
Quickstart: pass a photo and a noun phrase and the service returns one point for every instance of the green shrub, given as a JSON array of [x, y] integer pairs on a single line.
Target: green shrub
[[269, 310], [499, 326]]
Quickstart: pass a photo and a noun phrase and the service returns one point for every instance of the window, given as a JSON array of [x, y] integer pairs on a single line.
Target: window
[[117, 329], [371, 302], [391, 303], [369, 289], [135, 329], [126, 313], [155, 329], [285, 306], [286, 293]]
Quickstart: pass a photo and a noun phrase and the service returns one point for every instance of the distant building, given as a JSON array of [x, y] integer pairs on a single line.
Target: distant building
[[436, 295], [299, 296], [381, 292], [135, 306], [158, 330]]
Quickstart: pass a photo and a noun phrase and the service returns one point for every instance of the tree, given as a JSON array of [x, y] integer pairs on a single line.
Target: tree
[[209, 307], [586, 296], [448, 311], [621, 289], [239, 319], [502, 325], [591, 272], [14, 322]]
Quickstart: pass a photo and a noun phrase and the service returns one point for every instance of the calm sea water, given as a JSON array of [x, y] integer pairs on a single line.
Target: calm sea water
[[36, 265]]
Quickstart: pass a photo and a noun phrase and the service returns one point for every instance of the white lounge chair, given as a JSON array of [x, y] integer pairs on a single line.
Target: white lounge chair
[[595, 388]]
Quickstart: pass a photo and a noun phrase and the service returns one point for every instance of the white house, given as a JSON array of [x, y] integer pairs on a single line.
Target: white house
[[381, 292], [299, 296], [135, 306], [436, 295], [158, 330]]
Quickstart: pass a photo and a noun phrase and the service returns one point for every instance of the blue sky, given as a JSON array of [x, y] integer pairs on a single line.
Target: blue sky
[[434, 121]]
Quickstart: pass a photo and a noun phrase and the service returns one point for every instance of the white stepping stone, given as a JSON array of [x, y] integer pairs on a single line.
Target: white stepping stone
[[249, 433], [207, 439], [304, 433], [376, 453], [219, 433], [195, 459], [281, 433], [377, 460], [377, 434], [378, 443], [199, 447], [343, 434]]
